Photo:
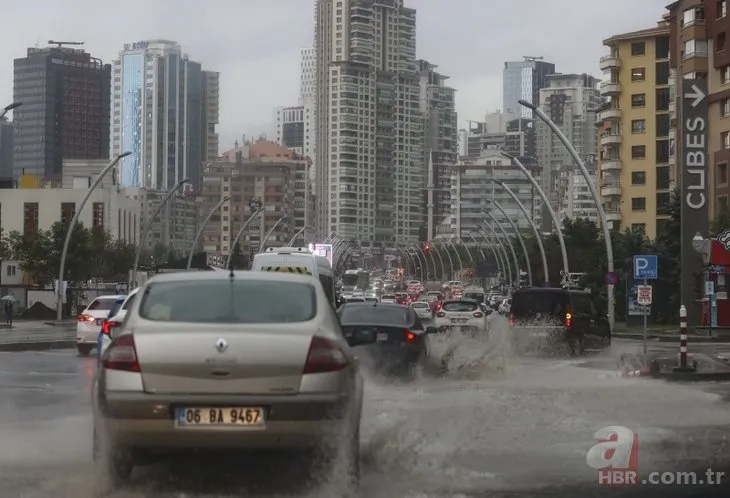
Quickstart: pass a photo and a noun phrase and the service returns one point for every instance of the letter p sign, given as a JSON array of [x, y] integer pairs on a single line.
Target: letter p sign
[[646, 267]]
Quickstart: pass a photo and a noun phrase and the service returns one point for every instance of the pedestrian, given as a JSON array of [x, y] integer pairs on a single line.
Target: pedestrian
[[8, 313]]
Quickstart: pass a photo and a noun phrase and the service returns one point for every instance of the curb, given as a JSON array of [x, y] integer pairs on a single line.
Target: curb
[[37, 345], [669, 338], [695, 377]]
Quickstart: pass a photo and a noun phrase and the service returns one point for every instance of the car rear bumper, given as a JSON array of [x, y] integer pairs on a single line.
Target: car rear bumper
[[148, 421]]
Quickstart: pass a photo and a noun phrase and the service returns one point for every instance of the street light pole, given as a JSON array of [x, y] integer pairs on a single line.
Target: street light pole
[[442, 268], [418, 257], [229, 263], [519, 238], [271, 230], [74, 220], [551, 211], [538, 237], [202, 228], [10, 107], [450, 241], [503, 268], [509, 242], [505, 257], [299, 232], [594, 193], [451, 261], [409, 259], [497, 259], [148, 227]]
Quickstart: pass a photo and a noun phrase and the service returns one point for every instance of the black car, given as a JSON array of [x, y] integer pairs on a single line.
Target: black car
[[392, 335], [556, 315]]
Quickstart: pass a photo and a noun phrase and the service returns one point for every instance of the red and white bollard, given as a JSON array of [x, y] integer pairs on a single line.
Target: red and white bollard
[[683, 366]]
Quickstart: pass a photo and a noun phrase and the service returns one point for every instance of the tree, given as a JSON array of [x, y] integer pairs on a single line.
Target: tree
[[33, 251], [80, 259], [5, 249], [119, 258], [720, 223]]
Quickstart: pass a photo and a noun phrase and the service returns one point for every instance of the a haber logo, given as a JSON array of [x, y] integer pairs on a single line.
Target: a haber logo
[[615, 456]]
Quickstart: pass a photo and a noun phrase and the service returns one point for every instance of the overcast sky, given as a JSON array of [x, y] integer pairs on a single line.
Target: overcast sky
[[255, 44]]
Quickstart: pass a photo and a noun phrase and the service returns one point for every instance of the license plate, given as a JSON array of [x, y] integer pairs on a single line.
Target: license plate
[[229, 416], [459, 320], [99, 320], [382, 337]]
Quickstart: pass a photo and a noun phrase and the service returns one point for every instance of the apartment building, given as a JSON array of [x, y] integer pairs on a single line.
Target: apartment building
[[370, 176], [634, 142]]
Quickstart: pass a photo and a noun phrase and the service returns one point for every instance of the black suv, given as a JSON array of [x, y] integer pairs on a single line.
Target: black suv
[[559, 315]]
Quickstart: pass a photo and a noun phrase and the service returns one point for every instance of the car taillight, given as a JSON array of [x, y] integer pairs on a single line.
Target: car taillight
[[440, 314], [478, 314], [121, 355], [86, 318], [324, 356], [511, 320], [410, 336], [108, 325], [568, 319]]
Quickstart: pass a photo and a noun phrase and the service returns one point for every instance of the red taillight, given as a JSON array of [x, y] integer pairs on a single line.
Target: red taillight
[[440, 314], [438, 306], [511, 320], [121, 355], [107, 326], [86, 318], [478, 314], [410, 336], [324, 356], [568, 319]]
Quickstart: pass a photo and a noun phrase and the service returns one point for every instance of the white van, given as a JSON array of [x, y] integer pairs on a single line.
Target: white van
[[297, 260]]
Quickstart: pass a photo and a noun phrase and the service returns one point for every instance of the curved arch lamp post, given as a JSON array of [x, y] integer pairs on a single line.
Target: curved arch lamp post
[[509, 242], [72, 224], [412, 259], [296, 235], [504, 268], [229, 263], [421, 262], [448, 255], [9, 107], [407, 260], [450, 241], [339, 249], [202, 228], [497, 259], [546, 203], [271, 230], [505, 257], [594, 193], [468, 252], [519, 238], [538, 236], [148, 227], [423, 254], [442, 268]]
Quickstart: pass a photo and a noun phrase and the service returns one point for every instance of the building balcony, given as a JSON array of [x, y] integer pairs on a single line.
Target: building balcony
[[613, 113], [611, 190], [609, 138], [610, 88], [613, 215], [609, 62], [611, 165]]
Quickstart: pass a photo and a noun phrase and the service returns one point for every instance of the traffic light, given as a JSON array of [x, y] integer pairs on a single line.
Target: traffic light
[[427, 248]]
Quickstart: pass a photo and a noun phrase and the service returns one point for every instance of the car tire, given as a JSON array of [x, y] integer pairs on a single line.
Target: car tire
[[119, 466], [353, 458], [84, 349]]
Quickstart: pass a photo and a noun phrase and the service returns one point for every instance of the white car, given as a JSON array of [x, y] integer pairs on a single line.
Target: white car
[[111, 326], [422, 309], [387, 298], [465, 314], [90, 320]]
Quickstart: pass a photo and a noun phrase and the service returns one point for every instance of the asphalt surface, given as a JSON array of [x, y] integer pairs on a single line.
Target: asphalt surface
[[498, 423]]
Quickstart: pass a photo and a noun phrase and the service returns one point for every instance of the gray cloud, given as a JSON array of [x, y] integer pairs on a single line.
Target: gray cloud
[[255, 43]]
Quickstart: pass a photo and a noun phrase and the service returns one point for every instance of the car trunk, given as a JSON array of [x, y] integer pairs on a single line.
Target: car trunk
[[539, 309], [258, 359], [384, 335]]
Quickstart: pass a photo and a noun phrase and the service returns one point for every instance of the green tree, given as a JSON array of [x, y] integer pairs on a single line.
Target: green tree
[[81, 261], [33, 251], [5, 248], [119, 259]]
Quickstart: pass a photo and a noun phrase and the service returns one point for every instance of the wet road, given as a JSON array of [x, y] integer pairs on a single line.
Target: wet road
[[498, 423]]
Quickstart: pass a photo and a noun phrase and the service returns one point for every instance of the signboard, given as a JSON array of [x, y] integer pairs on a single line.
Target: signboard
[[693, 174], [322, 250], [644, 295], [611, 278], [646, 267], [724, 239]]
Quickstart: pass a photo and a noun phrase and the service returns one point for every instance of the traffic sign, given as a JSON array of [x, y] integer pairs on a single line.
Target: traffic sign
[[611, 278], [646, 267], [644, 295]]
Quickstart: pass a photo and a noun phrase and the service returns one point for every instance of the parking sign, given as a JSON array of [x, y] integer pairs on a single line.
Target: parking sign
[[646, 267], [644, 295]]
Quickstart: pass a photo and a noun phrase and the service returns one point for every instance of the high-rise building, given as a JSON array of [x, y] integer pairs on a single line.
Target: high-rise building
[[65, 111], [634, 127], [308, 74], [370, 176], [523, 80], [290, 128], [507, 132], [6, 148], [438, 106], [571, 101], [164, 111]]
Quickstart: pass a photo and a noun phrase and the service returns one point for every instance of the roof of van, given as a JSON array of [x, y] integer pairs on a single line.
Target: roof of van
[[299, 254]]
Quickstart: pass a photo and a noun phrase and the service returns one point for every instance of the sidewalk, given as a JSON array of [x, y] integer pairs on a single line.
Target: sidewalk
[[36, 336], [663, 333], [661, 366]]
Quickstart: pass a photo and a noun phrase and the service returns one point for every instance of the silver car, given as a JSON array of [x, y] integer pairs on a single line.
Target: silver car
[[210, 360]]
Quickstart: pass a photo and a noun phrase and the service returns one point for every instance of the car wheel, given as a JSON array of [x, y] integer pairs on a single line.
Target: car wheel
[[119, 466], [84, 349]]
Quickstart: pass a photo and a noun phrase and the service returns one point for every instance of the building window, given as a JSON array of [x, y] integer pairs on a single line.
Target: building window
[[638, 178], [68, 210], [638, 126], [663, 203], [662, 178], [695, 48], [722, 173], [721, 7], [720, 42], [30, 218], [722, 204], [725, 139], [693, 15], [638, 48], [639, 228], [638, 151], [638, 203], [724, 108], [638, 100], [97, 220], [724, 75], [662, 125], [638, 74]]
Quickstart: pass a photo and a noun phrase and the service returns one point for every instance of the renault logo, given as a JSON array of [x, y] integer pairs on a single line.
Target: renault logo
[[221, 345]]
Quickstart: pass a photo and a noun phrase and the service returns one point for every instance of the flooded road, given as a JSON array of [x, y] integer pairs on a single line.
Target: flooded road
[[491, 423]]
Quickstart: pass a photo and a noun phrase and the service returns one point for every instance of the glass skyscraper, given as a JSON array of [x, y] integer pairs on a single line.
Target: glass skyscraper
[[522, 80]]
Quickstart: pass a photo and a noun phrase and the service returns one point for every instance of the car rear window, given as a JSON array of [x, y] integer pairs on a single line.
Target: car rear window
[[477, 296], [113, 310], [388, 296], [102, 304], [225, 301], [529, 304], [420, 305], [130, 300], [376, 315], [460, 306]]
